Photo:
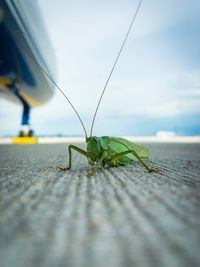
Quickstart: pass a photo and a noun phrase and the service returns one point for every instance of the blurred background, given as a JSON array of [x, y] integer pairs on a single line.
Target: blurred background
[[155, 87]]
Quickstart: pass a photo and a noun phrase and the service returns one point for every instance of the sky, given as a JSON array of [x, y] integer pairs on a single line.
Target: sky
[[156, 83]]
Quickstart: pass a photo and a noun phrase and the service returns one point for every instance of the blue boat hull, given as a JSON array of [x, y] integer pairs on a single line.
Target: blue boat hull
[[22, 35]]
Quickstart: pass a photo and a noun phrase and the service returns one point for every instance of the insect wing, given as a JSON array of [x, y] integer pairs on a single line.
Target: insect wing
[[117, 145], [142, 151]]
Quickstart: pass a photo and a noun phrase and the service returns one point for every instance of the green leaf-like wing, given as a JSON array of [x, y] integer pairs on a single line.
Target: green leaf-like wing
[[142, 151], [117, 145]]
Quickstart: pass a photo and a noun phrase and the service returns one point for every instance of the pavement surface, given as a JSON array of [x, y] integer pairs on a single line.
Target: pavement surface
[[120, 217]]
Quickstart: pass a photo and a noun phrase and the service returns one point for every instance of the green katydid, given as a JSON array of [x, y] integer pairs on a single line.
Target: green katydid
[[113, 151], [105, 150]]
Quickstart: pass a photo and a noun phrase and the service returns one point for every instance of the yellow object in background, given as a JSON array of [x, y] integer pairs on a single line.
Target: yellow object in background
[[4, 82], [24, 140]]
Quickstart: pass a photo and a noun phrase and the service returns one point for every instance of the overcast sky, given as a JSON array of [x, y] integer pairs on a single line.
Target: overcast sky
[[155, 86]]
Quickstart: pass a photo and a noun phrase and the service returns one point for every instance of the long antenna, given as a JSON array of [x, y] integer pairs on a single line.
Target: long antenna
[[51, 79], [113, 67]]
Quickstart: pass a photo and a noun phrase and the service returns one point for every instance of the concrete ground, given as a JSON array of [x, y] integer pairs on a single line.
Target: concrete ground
[[121, 217]]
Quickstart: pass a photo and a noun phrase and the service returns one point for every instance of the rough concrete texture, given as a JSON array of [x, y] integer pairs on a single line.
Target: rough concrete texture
[[121, 217]]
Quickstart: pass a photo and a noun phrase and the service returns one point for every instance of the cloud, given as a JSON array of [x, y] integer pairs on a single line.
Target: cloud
[[165, 96]]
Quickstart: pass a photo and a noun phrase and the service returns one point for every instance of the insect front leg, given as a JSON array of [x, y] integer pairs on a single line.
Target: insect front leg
[[97, 164], [77, 149], [121, 154]]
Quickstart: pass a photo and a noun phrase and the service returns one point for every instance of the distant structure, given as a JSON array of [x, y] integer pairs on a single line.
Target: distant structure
[[164, 134], [22, 36]]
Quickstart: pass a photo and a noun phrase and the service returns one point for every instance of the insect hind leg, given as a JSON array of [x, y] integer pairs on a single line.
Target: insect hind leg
[[121, 154]]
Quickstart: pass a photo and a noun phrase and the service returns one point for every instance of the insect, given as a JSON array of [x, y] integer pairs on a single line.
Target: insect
[[105, 150], [112, 151]]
